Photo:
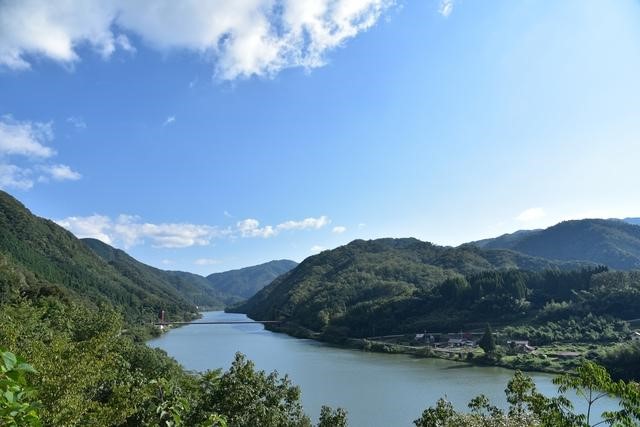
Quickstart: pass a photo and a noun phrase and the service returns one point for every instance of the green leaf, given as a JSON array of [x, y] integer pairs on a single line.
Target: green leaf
[[9, 360]]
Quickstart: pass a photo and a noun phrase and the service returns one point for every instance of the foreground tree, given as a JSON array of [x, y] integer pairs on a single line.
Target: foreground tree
[[528, 407], [17, 399]]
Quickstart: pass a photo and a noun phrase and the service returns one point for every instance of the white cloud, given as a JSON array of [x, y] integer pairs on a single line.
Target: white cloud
[[446, 7], [123, 42], [244, 38], [167, 262], [207, 261], [169, 120], [77, 122], [339, 229], [316, 249], [94, 226], [127, 230], [27, 140], [251, 227], [314, 223], [11, 176], [531, 215], [361, 225], [130, 230], [61, 173]]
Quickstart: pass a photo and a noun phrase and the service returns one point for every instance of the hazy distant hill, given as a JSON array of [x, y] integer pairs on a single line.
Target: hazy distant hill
[[194, 288], [38, 257], [614, 243], [635, 221], [332, 283], [245, 282]]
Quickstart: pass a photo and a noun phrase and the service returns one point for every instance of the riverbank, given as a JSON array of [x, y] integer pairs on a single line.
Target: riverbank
[[551, 359]]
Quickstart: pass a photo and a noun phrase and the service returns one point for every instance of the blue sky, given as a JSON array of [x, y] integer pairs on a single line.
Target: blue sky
[[202, 146]]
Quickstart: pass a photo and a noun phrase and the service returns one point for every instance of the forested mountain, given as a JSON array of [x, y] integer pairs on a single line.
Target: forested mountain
[[364, 275], [192, 287], [245, 282], [39, 257], [614, 243]]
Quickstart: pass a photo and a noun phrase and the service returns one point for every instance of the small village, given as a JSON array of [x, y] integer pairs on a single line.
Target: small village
[[464, 345]]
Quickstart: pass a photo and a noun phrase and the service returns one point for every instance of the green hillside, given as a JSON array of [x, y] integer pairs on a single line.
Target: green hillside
[[192, 287], [368, 274], [614, 243], [38, 256], [246, 282]]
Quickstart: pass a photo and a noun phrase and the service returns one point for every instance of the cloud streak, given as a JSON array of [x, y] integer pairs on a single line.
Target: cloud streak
[[129, 230], [531, 215], [446, 7], [251, 227], [244, 38]]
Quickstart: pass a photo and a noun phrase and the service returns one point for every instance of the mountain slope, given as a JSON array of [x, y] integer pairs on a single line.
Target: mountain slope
[[614, 243], [192, 287], [246, 282], [37, 255], [328, 285]]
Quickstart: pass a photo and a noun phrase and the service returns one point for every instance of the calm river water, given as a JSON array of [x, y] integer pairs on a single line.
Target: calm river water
[[377, 390]]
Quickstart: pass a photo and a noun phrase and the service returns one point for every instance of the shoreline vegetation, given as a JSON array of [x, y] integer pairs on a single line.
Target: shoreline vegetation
[[556, 358]]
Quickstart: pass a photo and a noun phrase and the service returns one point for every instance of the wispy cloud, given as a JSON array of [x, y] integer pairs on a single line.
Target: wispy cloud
[[130, 230], [531, 215], [446, 7], [25, 154], [251, 227], [248, 38], [77, 122], [11, 176], [60, 173], [28, 139], [316, 249], [339, 229], [207, 261], [169, 120]]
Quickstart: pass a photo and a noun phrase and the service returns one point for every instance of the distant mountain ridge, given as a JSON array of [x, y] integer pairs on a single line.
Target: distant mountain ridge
[[212, 292], [611, 242], [246, 282], [192, 287]]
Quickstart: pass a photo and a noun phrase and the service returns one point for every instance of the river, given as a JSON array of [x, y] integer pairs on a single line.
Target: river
[[377, 390]]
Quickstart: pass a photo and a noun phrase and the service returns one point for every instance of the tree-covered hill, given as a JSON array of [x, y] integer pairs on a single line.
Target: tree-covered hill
[[367, 274], [614, 243], [192, 287], [38, 256], [246, 282]]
